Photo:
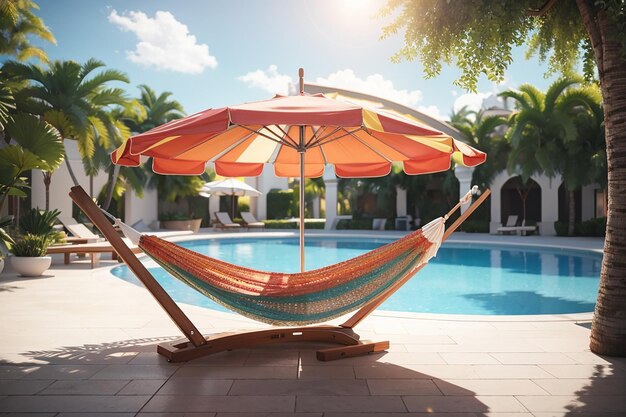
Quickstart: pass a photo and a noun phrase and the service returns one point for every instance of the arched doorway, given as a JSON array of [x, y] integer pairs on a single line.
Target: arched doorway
[[522, 200]]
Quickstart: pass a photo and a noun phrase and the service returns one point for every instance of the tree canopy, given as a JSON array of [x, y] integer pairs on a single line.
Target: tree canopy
[[472, 35]]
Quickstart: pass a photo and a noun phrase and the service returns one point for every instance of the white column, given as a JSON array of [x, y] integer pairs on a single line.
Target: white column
[[214, 205], [401, 200], [316, 207], [464, 175], [549, 203], [260, 203], [496, 200], [330, 180], [144, 209]]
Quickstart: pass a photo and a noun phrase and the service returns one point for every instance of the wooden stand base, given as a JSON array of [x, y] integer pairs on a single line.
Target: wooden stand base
[[196, 345], [182, 350]]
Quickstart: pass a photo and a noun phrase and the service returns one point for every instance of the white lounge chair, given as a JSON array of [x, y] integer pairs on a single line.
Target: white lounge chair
[[524, 230], [223, 221], [250, 221], [510, 226]]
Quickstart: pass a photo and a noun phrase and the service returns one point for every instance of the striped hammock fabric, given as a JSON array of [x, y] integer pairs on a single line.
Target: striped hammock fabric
[[299, 298]]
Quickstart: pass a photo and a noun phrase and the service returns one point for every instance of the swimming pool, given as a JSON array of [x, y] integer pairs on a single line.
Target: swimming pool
[[462, 279]]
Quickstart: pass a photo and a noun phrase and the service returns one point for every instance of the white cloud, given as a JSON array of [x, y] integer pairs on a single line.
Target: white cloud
[[432, 111], [164, 42], [270, 80], [374, 84], [473, 101]]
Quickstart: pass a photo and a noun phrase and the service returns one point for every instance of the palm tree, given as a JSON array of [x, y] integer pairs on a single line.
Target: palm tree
[[543, 130], [75, 101], [31, 144], [486, 133], [17, 24], [158, 110], [585, 162]]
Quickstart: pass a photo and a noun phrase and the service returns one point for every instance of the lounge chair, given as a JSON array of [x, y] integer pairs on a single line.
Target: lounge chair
[[379, 224], [142, 227], [223, 221], [94, 249], [524, 230], [81, 232], [250, 222], [510, 226]]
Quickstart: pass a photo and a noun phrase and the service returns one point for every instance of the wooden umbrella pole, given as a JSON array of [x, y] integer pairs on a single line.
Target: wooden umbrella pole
[[302, 150]]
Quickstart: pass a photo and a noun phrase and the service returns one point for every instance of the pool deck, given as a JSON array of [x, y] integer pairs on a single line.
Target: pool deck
[[77, 342]]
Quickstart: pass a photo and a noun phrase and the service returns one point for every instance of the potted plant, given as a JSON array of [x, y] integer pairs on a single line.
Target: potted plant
[[29, 255], [177, 221]]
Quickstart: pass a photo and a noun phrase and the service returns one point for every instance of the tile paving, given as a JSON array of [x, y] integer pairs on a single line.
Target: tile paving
[[91, 352]]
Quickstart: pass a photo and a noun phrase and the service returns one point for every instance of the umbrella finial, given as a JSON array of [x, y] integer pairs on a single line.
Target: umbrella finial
[[301, 75]]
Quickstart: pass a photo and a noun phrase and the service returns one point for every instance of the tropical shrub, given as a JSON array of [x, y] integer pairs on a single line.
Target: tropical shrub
[[475, 226], [290, 224], [30, 245], [39, 223], [279, 204]]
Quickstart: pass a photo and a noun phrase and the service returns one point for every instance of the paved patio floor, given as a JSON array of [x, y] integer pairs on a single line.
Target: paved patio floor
[[78, 342]]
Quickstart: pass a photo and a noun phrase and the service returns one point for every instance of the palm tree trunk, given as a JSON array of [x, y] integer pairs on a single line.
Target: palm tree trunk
[[608, 331], [47, 179], [572, 212], [113, 174], [71, 171]]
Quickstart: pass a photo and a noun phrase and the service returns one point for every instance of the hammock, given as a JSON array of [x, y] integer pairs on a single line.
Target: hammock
[[299, 298]]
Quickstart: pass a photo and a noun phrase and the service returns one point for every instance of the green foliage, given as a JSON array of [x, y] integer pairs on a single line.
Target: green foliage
[[74, 100], [5, 238], [242, 207], [30, 245], [39, 137], [39, 223], [486, 134], [280, 204], [592, 227], [355, 224], [175, 216], [290, 224], [478, 35], [475, 226], [18, 26], [173, 187]]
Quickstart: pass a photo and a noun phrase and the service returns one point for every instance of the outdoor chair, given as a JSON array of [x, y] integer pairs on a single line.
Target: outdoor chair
[[525, 230], [223, 221], [250, 222], [510, 226]]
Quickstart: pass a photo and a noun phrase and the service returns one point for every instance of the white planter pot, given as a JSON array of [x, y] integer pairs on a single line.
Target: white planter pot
[[30, 266]]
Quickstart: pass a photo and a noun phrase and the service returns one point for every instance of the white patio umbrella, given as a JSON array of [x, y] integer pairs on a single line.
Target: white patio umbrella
[[229, 186]]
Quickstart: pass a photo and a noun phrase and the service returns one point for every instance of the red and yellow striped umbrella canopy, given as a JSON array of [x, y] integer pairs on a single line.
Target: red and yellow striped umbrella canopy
[[240, 139]]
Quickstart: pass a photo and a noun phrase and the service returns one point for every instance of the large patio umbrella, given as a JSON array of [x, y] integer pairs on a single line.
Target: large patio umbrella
[[229, 186], [299, 135]]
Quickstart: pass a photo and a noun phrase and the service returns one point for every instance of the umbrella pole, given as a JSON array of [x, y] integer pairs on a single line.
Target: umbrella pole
[[302, 149]]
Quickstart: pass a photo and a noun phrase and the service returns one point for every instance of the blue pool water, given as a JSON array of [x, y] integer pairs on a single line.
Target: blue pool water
[[460, 280]]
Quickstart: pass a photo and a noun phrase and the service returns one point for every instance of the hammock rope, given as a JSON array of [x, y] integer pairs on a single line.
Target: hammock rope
[[297, 298]]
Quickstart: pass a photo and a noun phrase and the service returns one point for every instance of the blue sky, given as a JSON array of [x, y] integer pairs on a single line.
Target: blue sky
[[218, 53]]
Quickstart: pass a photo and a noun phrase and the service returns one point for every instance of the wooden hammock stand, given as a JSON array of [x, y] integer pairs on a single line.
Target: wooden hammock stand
[[196, 345]]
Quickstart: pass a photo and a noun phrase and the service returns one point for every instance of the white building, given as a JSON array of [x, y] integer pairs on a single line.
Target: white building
[[543, 201]]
